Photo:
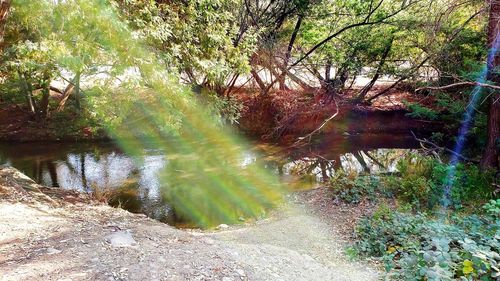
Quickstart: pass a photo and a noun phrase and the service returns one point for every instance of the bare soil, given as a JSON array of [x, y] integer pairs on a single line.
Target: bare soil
[[49, 234]]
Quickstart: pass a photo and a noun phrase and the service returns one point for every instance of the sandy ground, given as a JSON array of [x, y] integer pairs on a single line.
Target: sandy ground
[[44, 237]]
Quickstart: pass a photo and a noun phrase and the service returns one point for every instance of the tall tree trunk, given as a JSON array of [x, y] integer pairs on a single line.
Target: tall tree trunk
[[288, 54], [362, 94], [65, 96], [491, 153], [4, 12], [328, 70], [259, 81]]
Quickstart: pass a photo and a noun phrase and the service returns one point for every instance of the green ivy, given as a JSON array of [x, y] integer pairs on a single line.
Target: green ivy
[[415, 247]]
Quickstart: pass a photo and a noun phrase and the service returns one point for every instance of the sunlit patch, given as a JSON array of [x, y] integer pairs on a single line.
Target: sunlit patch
[[204, 180]]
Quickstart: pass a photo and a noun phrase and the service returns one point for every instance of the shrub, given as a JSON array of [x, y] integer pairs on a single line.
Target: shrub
[[421, 181], [492, 208], [414, 247], [421, 112], [351, 187]]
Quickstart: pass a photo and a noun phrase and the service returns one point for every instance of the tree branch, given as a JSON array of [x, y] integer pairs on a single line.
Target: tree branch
[[362, 23], [425, 141], [459, 84]]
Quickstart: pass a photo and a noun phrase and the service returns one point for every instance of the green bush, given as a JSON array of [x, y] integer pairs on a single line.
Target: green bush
[[414, 247], [421, 112], [492, 208], [352, 187], [421, 181]]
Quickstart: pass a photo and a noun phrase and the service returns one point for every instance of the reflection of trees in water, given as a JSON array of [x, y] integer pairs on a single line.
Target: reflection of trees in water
[[51, 167], [136, 185], [360, 161]]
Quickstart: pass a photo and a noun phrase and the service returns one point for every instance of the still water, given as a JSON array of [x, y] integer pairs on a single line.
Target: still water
[[135, 184]]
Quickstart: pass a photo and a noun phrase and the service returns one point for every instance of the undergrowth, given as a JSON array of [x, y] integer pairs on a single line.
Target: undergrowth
[[421, 240]]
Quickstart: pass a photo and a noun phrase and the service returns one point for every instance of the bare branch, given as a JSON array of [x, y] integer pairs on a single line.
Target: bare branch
[[457, 85], [310, 135], [425, 141]]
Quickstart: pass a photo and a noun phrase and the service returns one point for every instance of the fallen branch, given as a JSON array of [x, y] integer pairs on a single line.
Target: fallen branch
[[425, 141], [460, 84], [309, 136]]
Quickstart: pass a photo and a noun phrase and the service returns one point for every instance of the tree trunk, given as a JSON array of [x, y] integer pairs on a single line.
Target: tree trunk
[[65, 96], [28, 93], [328, 70], [4, 12], [282, 83], [259, 81], [44, 103], [362, 94], [77, 91], [491, 153]]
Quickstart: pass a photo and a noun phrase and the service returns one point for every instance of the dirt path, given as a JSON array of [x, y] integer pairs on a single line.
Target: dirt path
[[43, 238]]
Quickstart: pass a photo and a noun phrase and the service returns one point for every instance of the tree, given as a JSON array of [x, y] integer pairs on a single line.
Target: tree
[[491, 153], [4, 12]]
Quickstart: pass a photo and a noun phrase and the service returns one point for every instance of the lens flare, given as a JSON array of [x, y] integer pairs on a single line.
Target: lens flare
[[466, 124], [204, 180]]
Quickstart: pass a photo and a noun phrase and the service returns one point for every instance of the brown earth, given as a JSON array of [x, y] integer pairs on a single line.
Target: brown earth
[[17, 124], [277, 116]]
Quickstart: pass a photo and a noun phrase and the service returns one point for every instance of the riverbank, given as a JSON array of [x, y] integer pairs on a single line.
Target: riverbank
[[49, 235], [18, 125], [279, 116], [285, 115]]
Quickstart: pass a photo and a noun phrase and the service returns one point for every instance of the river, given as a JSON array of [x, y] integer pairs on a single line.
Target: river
[[134, 181]]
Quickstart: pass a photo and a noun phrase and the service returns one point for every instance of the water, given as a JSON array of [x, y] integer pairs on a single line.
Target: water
[[135, 182]]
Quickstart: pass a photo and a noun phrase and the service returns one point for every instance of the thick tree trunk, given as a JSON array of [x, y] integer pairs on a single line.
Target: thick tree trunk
[[65, 96], [4, 12], [28, 93], [491, 153], [328, 70]]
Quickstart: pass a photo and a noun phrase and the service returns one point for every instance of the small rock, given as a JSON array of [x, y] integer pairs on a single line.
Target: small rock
[[223, 226], [52, 251], [121, 239], [241, 272], [208, 241]]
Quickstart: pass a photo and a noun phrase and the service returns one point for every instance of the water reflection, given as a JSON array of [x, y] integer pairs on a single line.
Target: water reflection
[[136, 184]]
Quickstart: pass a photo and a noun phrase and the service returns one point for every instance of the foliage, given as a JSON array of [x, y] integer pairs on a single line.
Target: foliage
[[226, 110], [192, 37], [493, 208], [421, 181], [421, 112], [352, 188], [415, 247]]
